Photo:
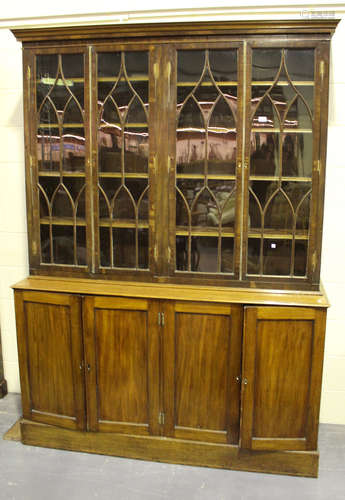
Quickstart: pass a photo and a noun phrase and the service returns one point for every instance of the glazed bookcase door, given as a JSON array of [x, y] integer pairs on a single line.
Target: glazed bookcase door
[[58, 175], [283, 171], [206, 147], [123, 137]]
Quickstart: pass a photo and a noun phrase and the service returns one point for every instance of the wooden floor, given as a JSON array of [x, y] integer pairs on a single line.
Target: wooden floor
[[29, 473]]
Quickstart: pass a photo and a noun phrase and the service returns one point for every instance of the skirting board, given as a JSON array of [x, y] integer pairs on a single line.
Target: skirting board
[[169, 450]]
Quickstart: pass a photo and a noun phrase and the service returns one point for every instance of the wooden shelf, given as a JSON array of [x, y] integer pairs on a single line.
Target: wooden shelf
[[125, 223], [62, 125], [62, 84], [62, 221], [219, 177], [125, 125], [207, 84], [283, 83], [204, 231], [118, 175], [276, 179], [113, 79], [275, 234], [50, 173], [284, 131]]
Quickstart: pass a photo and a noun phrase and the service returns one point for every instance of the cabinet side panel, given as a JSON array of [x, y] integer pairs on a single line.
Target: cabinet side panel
[[283, 364], [50, 360], [122, 350]]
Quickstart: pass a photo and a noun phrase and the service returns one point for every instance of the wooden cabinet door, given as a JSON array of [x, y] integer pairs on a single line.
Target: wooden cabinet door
[[281, 384], [121, 355], [50, 351], [201, 361]]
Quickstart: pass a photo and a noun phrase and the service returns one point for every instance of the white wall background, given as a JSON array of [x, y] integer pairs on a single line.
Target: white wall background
[[13, 237]]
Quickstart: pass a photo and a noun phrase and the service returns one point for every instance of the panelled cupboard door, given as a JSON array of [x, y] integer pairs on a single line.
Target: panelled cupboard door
[[281, 384], [202, 359], [51, 358], [121, 355]]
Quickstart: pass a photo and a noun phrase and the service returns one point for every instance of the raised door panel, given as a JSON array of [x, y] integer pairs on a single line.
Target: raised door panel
[[202, 356], [51, 358], [282, 368], [121, 357]]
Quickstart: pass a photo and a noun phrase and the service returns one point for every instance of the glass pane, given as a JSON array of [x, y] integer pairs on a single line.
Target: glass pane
[[45, 243], [262, 191], [47, 187], [108, 64], [63, 244], [104, 245], [253, 257], [124, 247], [266, 115], [298, 116], [143, 207], [223, 64], [204, 254], [276, 257], [143, 243], [279, 214], [300, 64], [71, 65], [297, 155], [181, 253], [301, 251], [264, 158], [62, 204], [48, 149], [81, 246], [107, 190], [76, 189], [191, 140], [136, 150], [227, 255], [302, 214], [73, 149], [190, 65], [265, 64], [109, 149], [123, 205]]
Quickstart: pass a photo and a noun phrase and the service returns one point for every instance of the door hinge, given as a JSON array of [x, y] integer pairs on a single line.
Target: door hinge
[[313, 261], [161, 319], [161, 418], [28, 73], [168, 75], [322, 70], [155, 253]]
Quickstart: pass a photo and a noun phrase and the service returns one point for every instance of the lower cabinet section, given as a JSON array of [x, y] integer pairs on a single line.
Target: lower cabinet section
[[204, 383]]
